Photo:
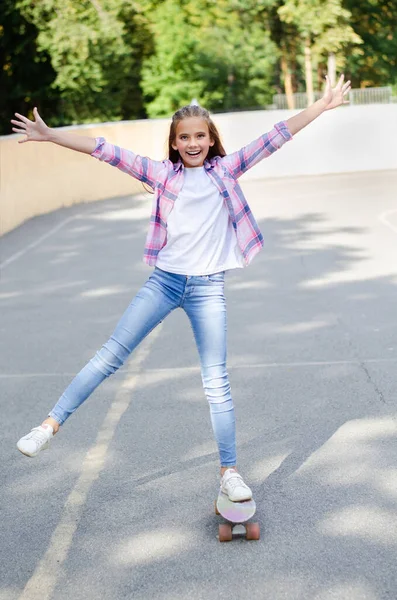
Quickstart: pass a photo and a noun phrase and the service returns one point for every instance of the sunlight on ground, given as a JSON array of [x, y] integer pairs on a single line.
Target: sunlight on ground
[[263, 468], [369, 523], [7, 593], [153, 545], [44, 579], [105, 291], [162, 376], [43, 289], [205, 449], [249, 285], [80, 229], [136, 213], [6, 295], [348, 591], [348, 276], [354, 455], [63, 257], [371, 429], [358, 458], [361, 431], [300, 327]]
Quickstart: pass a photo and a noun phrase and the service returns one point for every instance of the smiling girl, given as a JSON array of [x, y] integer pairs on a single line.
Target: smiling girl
[[201, 227]]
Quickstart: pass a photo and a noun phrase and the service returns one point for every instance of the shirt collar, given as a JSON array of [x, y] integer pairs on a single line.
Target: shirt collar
[[208, 165]]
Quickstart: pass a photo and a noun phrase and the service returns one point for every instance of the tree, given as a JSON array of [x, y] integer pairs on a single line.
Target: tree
[[209, 51], [95, 48], [323, 27], [25, 73], [375, 21], [96, 60], [287, 39]]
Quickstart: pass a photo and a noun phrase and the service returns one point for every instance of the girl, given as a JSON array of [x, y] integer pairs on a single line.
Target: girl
[[201, 226]]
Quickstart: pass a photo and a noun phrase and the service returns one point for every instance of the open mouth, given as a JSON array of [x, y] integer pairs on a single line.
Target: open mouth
[[194, 153]]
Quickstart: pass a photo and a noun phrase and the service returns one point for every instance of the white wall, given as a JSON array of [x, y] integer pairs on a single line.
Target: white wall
[[39, 178], [352, 138]]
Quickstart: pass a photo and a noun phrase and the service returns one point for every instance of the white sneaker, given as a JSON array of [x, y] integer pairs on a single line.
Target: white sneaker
[[233, 486], [38, 439]]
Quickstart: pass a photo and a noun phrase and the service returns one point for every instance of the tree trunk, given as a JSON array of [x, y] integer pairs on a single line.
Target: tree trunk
[[285, 68], [320, 76], [332, 68], [308, 72]]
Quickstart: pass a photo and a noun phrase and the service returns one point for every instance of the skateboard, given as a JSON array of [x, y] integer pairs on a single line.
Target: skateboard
[[237, 514]]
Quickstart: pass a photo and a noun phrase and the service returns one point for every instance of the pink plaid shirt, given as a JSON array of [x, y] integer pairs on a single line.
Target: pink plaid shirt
[[166, 179]]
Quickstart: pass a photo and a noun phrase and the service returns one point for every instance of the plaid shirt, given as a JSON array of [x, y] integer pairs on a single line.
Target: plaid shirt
[[166, 179]]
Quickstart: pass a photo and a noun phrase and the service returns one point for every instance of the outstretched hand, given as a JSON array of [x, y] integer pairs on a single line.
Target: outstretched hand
[[334, 97], [35, 131]]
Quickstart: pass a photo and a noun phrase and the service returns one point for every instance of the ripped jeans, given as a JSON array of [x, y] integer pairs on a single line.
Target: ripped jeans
[[202, 298]]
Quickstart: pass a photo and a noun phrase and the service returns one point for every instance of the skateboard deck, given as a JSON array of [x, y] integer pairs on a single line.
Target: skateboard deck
[[237, 514]]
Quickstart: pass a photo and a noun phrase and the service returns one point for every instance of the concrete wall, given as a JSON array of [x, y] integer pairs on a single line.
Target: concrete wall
[[38, 178]]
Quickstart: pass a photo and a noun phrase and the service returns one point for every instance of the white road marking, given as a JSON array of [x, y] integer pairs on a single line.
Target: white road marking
[[196, 369], [34, 244], [45, 577], [383, 218], [27, 375]]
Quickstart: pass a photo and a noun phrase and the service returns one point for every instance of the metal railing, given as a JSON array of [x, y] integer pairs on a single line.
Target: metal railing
[[380, 95], [376, 95]]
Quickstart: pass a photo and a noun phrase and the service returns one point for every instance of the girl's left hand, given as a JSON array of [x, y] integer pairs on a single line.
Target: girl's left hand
[[334, 97]]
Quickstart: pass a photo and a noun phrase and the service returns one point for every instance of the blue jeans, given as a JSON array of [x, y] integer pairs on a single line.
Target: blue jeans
[[203, 300]]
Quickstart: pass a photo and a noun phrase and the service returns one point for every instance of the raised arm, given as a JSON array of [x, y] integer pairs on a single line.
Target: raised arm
[[247, 157], [38, 131], [141, 168], [331, 99], [239, 162]]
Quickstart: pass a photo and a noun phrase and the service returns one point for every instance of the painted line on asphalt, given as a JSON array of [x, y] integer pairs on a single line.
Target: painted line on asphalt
[[36, 243], [195, 369], [27, 375], [383, 218], [281, 365], [43, 582], [317, 363]]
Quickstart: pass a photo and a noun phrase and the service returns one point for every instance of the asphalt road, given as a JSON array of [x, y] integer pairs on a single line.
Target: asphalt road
[[121, 506]]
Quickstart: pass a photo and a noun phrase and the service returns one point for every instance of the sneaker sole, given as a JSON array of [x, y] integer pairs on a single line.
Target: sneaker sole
[[245, 499], [31, 455], [240, 499]]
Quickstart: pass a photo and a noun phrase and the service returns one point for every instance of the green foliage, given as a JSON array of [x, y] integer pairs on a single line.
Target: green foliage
[[22, 82], [95, 48], [324, 22], [202, 50], [375, 21], [97, 60]]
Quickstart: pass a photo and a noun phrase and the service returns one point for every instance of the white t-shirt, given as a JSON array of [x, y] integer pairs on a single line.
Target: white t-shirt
[[200, 235]]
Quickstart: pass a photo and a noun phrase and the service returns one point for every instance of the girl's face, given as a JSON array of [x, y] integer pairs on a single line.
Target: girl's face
[[192, 140]]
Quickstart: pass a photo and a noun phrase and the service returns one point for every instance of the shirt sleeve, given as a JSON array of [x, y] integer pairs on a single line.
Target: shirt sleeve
[[140, 167], [239, 162]]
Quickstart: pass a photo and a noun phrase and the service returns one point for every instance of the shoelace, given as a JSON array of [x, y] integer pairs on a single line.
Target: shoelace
[[236, 480], [38, 436]]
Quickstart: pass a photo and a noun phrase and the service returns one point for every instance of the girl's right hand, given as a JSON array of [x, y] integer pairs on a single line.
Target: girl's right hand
[[35, 131]]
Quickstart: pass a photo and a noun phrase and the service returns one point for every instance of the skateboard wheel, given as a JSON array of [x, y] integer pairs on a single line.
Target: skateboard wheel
[[216, 509], [225, 532], [252, 531]]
